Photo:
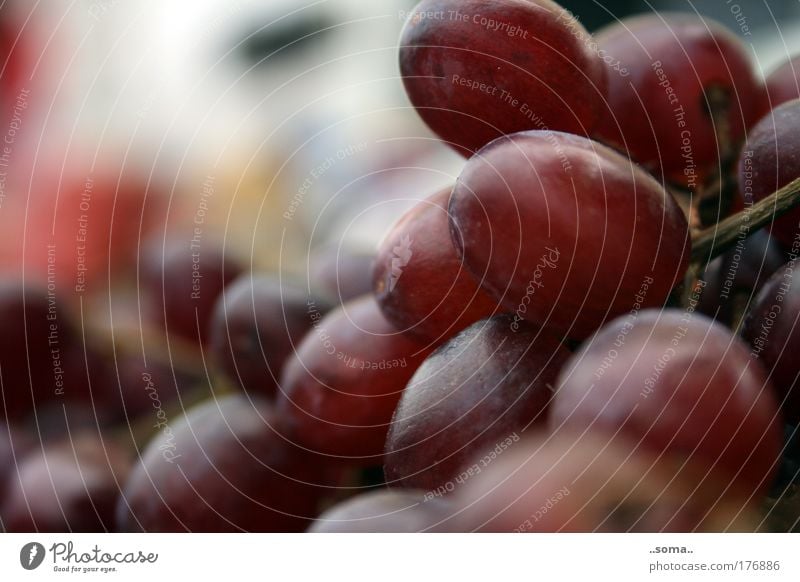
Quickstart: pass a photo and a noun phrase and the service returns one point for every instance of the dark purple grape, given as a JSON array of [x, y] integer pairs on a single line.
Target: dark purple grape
[[221, 468], [772, 328], [258, 323], [481, 390], [341, 386], [570, 482]]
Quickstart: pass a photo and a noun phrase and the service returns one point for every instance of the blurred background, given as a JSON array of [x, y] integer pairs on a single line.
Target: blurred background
[[237, 109]]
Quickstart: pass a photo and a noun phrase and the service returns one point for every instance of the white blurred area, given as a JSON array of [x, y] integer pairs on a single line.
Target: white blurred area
[[291, 109], [245, 112]]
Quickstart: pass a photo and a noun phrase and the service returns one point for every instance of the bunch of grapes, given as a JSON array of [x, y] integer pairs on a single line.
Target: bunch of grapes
[[592, 329]]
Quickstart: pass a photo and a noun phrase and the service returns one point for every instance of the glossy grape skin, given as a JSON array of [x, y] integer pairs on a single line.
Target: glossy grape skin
[[697, 57], [594, 483], [543, 74], [680, 384], [123, 208], [772, 329], [336, 407], [341, 273], [67, 486], [222, 468], [181, 301], [257, 324], [420, 283], [385, 511], [782, 83], [735, 277], [769, 161], [566, 231], [483, 388]]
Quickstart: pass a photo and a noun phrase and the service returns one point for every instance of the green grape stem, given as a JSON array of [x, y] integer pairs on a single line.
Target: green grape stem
[[715, 240]]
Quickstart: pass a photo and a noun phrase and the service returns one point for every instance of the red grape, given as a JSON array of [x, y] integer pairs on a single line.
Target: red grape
[[384, 511], [569, 483], [420, 283], [257, 323], [773, 330], [344, 381], [567, 232], [94, 219], [769, 162], [479, 390], [221, 468], [476, 70], [678, 383], [68, 486], [681, 68]]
